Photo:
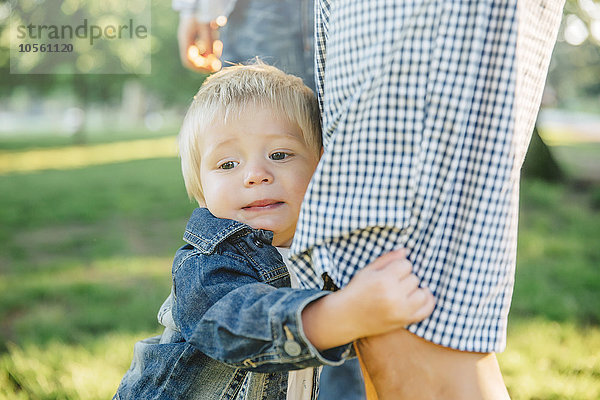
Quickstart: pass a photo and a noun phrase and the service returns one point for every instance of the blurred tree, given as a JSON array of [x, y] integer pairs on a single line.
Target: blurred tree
[[539, 162], [575, 68], [574, 71], [588, 11], [168, 81], [573, 79]]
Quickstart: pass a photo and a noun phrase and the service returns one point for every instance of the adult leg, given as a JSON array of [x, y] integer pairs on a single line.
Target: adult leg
[[418, 83], [255, 29], [402, 365]]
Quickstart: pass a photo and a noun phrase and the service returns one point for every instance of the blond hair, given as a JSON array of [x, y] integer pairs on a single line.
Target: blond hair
[[225, 95]]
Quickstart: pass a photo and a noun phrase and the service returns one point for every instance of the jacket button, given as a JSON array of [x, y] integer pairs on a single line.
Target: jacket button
[[292, 348]]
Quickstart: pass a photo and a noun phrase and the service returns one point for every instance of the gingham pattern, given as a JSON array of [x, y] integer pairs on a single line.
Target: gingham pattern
[[418, 101]]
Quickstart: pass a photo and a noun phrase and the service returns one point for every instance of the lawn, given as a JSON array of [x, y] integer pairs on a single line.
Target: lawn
[[86, 258]]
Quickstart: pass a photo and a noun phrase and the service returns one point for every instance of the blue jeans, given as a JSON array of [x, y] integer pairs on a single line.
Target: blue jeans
[[344, 382], [279, 32]]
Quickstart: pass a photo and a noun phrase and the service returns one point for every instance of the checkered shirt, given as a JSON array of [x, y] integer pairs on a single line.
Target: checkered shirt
[[427, 107]]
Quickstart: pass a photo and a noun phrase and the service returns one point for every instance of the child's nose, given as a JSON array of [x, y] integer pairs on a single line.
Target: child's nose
[[258, 175]]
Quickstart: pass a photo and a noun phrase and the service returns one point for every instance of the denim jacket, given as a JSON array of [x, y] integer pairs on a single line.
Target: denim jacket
[[235, 320]]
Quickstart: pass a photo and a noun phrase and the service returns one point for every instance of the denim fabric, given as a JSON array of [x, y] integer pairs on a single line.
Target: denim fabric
[[342, 382], [233, 313], [280, 32]]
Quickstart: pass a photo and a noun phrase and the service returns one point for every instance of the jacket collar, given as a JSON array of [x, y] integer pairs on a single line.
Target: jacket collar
[[205, 232]]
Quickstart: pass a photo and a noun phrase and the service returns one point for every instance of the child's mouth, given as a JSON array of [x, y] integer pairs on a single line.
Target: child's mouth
[[263, 205]]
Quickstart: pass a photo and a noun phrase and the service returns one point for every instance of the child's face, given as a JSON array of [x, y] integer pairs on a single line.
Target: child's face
[[255, 169]]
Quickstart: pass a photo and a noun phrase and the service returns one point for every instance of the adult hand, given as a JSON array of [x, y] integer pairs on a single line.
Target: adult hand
[[199, 49]]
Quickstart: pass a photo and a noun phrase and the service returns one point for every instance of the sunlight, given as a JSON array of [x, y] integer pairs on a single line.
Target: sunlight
[[73, 157]]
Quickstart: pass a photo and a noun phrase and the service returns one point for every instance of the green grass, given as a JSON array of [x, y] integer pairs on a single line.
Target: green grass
[[86, 258], [580, 160], [85, 264], [551, 360], [553, 349], [558, 259], [53, 140]]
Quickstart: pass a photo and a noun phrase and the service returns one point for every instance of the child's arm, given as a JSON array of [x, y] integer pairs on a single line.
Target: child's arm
[[382, 297], [224, 309], [235, 318]]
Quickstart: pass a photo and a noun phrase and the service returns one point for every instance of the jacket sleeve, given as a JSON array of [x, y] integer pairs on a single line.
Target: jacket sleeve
[[226, 312]]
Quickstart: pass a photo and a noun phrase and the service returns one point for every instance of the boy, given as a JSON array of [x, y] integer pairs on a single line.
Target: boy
[[249, 145]]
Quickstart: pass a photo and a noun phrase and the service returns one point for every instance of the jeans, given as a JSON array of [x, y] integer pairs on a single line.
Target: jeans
[[279, 32], [344, 382]]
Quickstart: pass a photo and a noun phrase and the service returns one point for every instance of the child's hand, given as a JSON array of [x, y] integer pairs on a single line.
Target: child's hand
[[382, 297], [385, 295]]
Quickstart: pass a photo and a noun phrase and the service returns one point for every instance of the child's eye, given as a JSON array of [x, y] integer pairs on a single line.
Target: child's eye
[[279, 155], [228, 165]]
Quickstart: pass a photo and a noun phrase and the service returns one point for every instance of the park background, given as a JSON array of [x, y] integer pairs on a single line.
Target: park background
[[93, 206]]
